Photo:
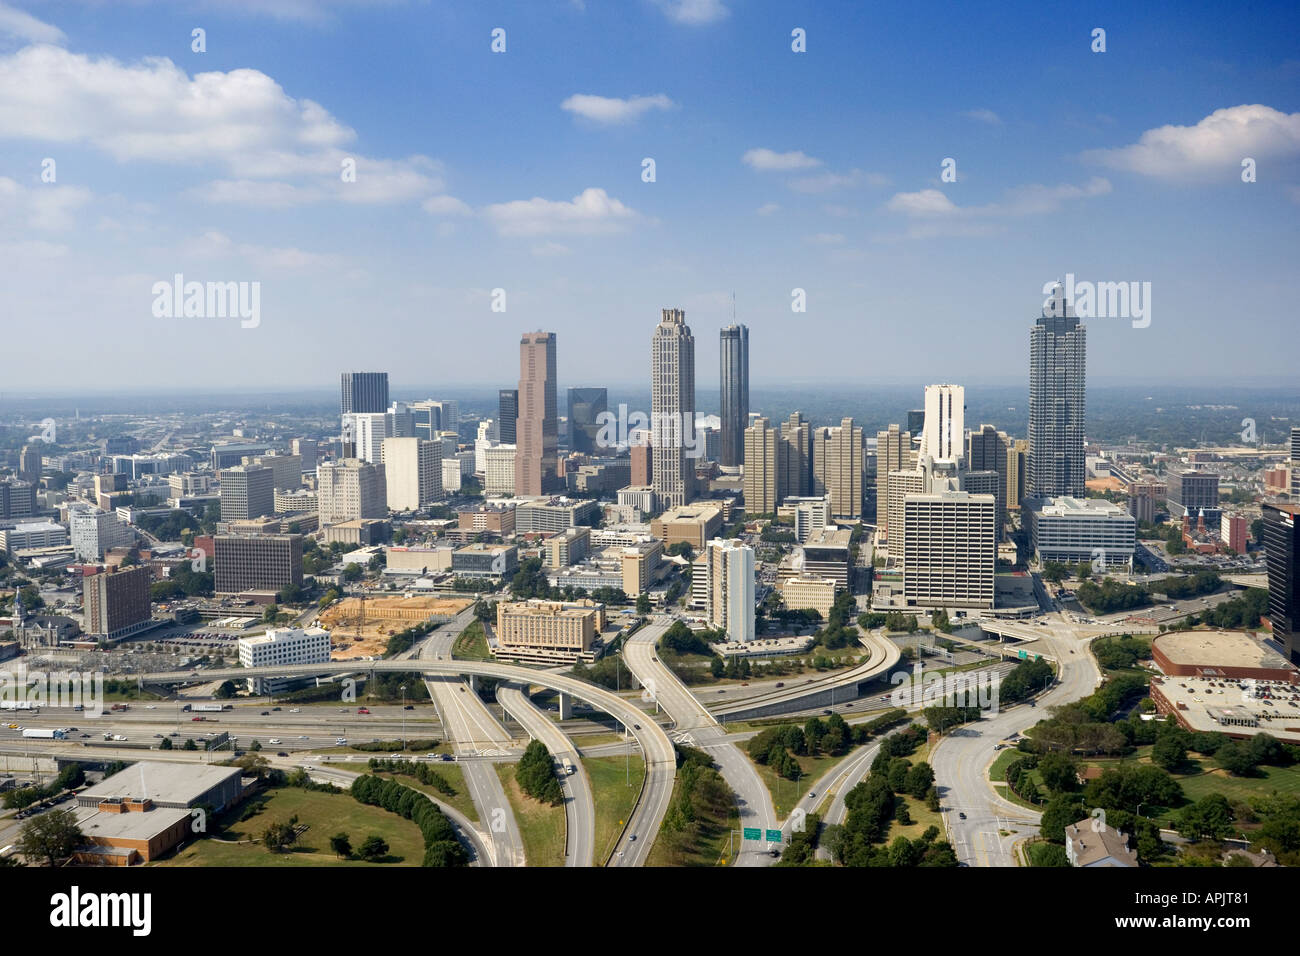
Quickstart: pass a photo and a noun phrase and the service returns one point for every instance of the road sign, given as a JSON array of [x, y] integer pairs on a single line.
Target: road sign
[[752, 833], [773, 836], [1022, 655]]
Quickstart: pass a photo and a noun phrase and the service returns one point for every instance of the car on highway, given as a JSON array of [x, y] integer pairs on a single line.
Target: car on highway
[[961, 815], [157, 736], [303, 737], [275, 740], [409, 707], [636, 726], [632, 838], [295, 710], [150, 706], [265, 713], [281, 753], [340, 742]]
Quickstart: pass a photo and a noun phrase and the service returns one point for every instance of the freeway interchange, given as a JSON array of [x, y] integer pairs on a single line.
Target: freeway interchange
[[984, 836]]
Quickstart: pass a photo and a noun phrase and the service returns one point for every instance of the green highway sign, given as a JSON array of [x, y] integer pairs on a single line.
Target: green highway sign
[[773, 836], [1022, 655], [752, 833]]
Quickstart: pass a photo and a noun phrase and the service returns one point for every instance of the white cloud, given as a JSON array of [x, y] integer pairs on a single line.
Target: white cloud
[[278, 149], [46, 207], [766, 160], [825, 238], [24, 26], [1213, 147], [612, 110], [591, 212], [934, 214], [768, 208], [549, 249], [828, 181], [217, 245], [694, 12], [445, 206], [984, 116]]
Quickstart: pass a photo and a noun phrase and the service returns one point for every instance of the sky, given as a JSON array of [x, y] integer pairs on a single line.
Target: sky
[[500, 191]]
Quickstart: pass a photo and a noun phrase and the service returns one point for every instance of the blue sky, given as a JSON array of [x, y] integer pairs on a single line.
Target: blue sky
[[522, 171]]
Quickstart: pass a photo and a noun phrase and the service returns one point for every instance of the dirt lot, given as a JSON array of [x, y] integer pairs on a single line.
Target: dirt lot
[[1104, 484], [384, 617]]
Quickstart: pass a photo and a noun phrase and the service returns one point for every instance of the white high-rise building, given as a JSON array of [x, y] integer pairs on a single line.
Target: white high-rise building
[[94, 532], [488, 435], [413, 472], [349, 489], [729, 567], [943, 437], [282, 645], [950, 549], [369, 431], [499, 470]]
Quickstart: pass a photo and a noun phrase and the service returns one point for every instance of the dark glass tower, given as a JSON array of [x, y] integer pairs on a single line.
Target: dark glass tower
[[1058, 347], [1281, 540], [507, 413], [364, 392], [586, 405], [733, 380]]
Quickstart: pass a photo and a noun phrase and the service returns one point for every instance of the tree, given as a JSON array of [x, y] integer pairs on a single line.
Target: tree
[[341, 845], [51, 837], [374, 849], [1170, 750], [166, 744], [189, 745], [279, 836], [643, 604], [225, 691]]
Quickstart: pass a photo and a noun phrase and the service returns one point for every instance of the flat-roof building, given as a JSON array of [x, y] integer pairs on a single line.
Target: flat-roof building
[[548, 632], [1071, 530]]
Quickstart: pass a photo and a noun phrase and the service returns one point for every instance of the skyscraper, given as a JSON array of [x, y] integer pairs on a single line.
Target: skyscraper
[[364, 392], [1058, 347], [507, 412], [586, 405], [537, 427], [672, 409], [733, 379], [893, 453], [945, 422], [1281, 539], [796, 475], [837, 467], [247, 492], [765, 454], [986, 450]]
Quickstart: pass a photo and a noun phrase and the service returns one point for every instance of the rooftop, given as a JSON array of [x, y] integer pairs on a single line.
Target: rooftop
[[1219, 649], [160, 782]]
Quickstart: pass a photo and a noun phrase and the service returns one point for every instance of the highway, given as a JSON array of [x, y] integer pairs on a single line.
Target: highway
[[661, 764], [472, 729], [993, 826], [696, 727], [579, 805]]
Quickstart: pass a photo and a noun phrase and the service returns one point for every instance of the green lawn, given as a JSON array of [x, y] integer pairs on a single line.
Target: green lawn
[[613, 797], [472, 644], [453, 775], [787, 793], [325, 814], [921, 819], [540, 826]]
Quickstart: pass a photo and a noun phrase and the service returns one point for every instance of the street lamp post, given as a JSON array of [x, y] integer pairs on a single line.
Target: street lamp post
[[403, 689]]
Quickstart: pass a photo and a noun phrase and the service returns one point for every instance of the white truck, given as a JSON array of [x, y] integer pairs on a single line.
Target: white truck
[[47, 733], [567, 764]]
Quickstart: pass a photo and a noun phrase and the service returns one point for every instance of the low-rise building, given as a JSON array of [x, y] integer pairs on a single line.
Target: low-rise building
[[807, 592], [1071, 530], [282, 645], [1091, 843], [479, 560], [690, 524], [548, 632]]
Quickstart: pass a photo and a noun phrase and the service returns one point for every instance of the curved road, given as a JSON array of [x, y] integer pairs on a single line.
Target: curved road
[[696, 727], [661, 760], [579, 805]]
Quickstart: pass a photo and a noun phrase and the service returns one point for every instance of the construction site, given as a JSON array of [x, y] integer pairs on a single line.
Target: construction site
[[361, 627]]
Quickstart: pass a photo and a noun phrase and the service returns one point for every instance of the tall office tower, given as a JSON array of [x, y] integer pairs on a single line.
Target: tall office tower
[[93, 532], [987, 482], [400, 421], [1281, 540], [307, 449], [507, 412], [29, 463], [256, 562], [1192, 492], [642, 465], [838, 460], [950, 552], [893, 453], [916, 420], [412, 472], [1294, 463], [431, 417], [286, 470], [247, 491], [730, 571], [350, 488], [17, 498], [537, 428], [672, 409], [796, 477], [117, 602], [499, 470], [364, 432], [1058, 351], [586, 406], [1017, 471], [945, 422], [733, 380], [364, 392], [764, 460], [900, 484], [986, 450]]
